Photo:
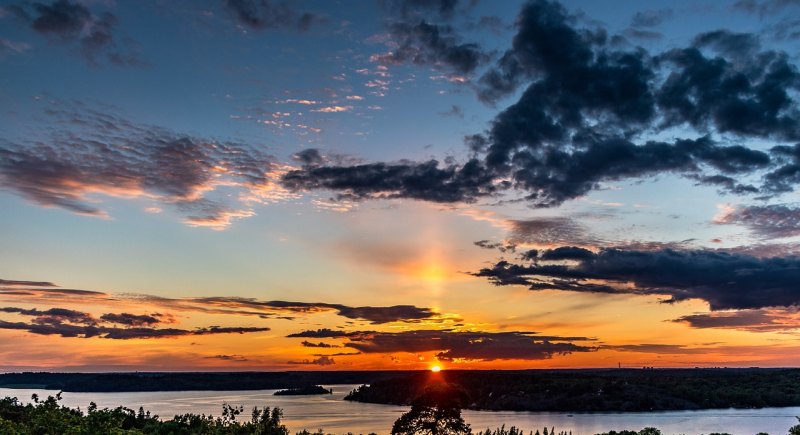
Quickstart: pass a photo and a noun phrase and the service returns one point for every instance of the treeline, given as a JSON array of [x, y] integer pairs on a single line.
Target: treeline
[[48, 417], [219, 381], [599, 390]]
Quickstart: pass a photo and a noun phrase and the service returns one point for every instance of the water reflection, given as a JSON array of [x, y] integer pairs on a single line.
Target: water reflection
[[335, 415]]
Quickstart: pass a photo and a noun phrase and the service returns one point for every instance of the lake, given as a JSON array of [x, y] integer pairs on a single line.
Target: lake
[[335, 415]]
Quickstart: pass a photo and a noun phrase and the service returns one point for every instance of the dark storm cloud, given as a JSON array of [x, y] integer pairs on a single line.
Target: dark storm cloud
[[268, 14], [754, 320], [321, 361], [725, 184], [418, 36], [309, 158], [320, 333], [425, 181], [567, 253], [571, 69], [425, 43], [53, 315], [131, 333], [767, 221], [139, 332], [128, 319], [742, 90], [320, 344], [724, 280], [588, 114], [502, 247], [101, 153], [486, 346], [64, 330], [73, 23], [546, 140], [378, 315], [553, 175], [787, 171], [651, 18]]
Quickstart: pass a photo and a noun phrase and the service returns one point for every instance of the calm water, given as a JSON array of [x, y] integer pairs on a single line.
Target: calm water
[[335, 415]]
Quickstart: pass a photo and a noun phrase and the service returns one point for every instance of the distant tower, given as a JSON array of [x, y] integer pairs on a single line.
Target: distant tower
[[619, 365]]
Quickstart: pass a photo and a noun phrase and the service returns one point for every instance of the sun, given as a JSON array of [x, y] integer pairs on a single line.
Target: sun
[[436, 369]]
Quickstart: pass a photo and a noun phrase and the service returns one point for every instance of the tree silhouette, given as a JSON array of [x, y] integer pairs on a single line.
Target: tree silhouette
[[436, 412], [795, 430]]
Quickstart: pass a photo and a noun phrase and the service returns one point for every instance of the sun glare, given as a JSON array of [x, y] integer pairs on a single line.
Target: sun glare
[[436, 369], [432, 273]]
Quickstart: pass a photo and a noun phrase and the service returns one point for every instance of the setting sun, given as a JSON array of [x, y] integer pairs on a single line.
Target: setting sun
[[436, 369]]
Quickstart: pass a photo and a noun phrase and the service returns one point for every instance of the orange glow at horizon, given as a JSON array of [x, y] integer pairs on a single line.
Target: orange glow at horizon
[[436, 369]]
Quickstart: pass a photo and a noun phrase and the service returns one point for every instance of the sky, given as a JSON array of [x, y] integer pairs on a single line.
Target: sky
[[398, 184]]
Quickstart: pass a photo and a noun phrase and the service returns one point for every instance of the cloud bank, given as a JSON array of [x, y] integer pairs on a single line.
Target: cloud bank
[[454, 345], [725, 280], [71, 323], [590, 109]]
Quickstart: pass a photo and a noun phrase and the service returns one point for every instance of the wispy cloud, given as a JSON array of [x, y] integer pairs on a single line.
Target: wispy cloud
[[753, 320], [767, 221], [98, 153], [333, 109], [72, 323], [233, 305]]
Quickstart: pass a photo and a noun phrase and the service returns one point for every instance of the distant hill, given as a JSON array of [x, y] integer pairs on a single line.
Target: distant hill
[[197, 381]]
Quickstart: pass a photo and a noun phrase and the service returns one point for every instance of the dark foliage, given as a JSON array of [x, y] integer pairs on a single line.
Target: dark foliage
[[600, 390], [437, 411], [49, 417], [307, 390]]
